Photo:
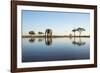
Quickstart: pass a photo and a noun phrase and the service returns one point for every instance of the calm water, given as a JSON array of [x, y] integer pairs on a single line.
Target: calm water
[[55, 49]]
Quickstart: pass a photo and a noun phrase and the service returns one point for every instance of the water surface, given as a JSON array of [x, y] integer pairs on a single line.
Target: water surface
[[55, 49]]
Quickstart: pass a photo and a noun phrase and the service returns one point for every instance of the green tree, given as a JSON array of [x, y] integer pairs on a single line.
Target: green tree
[[80, 30], [40, 33], [31, 33], [74, 30]]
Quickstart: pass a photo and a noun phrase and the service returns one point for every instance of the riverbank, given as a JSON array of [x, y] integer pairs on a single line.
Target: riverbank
[[28, 36]]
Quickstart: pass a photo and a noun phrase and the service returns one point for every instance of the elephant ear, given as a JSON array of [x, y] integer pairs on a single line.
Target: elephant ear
[[48, 30]]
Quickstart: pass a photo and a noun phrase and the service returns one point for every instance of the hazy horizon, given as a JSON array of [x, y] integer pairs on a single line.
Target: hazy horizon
[[61, 23]]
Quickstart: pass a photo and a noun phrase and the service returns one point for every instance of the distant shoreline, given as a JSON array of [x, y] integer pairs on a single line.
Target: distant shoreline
[[28, 36]]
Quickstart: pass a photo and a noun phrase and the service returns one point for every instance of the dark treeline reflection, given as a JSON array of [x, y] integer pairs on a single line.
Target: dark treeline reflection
[[79, 42], [40, 39], [31, 40], [48, 41]]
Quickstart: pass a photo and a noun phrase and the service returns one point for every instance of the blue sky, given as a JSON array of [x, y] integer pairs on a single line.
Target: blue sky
[[59, 22]]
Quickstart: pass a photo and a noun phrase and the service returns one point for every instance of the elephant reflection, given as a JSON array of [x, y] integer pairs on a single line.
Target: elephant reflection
[[31, 40], [79, 43], [48, 37], [48, 41]]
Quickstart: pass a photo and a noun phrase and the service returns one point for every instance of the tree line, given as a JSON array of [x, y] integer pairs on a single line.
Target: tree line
[[80, 30]]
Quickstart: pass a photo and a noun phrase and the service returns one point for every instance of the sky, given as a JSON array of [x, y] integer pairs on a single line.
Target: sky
[[61, 23]]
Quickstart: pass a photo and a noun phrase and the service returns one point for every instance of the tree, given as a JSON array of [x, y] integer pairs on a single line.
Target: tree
[[40, 33], [74, 30], [80, 30], [31, 33]]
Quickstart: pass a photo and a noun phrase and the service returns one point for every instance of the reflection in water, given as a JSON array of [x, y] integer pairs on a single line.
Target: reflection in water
[[40, 39], [79, 42], [48, 41], [70, 36], [61, 49], [31, 40]]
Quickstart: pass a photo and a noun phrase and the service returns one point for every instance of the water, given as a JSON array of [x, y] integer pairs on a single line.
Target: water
[[55, 49]]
